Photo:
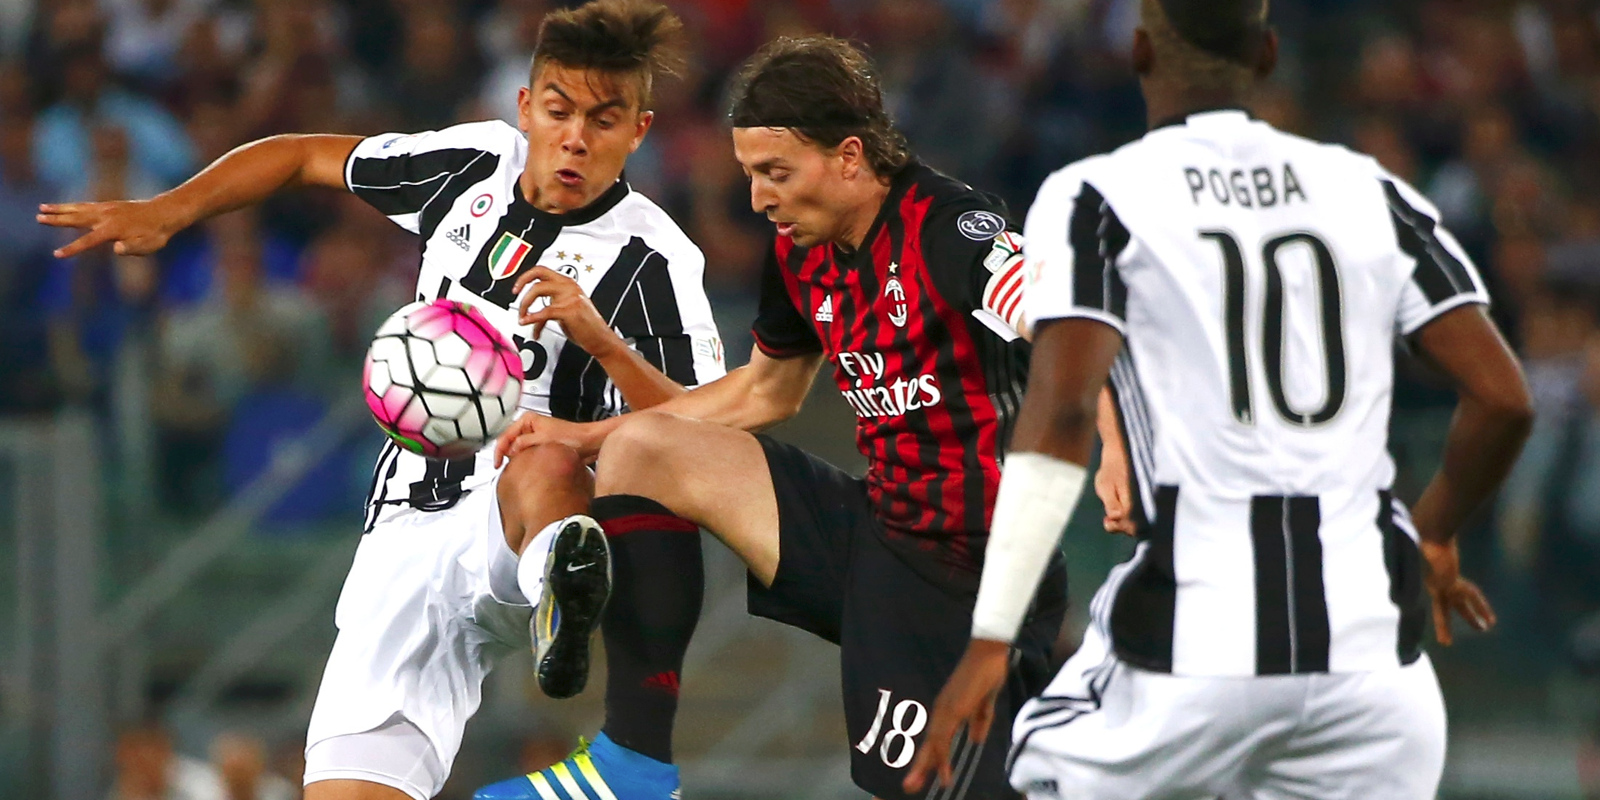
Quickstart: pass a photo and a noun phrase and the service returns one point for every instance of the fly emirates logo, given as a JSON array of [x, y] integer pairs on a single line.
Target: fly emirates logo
[[873, 396]]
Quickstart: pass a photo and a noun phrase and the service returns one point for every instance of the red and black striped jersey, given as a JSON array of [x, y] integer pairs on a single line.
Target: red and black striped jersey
[[920, 324]]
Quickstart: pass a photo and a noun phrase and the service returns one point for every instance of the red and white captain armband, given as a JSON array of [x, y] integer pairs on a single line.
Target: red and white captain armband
[[1037, 495], [1001, 307]]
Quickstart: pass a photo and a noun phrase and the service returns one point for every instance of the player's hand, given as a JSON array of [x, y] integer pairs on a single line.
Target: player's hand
[[565, 303], [1452, 593], [530, 430], [134, 227], [1111, 484], [967, 699]]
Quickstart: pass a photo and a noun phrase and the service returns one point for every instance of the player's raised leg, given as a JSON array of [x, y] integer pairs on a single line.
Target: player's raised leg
[[563, 566], [539, 487], [710, 474], [660, 478]]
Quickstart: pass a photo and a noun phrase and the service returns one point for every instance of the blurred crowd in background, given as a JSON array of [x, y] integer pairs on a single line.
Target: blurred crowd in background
[[239, 767], [247, 327]]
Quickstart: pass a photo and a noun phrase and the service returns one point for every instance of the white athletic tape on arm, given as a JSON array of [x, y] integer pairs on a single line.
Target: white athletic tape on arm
[[1037, 495]]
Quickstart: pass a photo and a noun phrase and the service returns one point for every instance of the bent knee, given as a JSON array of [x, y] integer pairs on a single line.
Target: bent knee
[[544, 465], [646, 434], [647, 441]]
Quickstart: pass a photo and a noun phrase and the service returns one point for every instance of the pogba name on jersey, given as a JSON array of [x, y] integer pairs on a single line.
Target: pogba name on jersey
[[875, 396], [1256, 187]]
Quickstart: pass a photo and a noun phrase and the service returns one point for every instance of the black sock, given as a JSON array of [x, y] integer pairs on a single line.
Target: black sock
[[659, 583]]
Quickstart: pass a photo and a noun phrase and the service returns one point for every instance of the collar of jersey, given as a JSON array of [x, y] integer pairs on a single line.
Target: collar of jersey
[[891, 201], [581, 216], [1183, 119]]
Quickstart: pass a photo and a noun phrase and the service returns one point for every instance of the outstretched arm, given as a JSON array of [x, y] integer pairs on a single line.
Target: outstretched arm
[[754, 397], [246, 175]]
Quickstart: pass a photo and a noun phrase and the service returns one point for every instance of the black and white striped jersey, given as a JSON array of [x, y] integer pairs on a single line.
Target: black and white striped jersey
[[458, 189], [1259, 280]]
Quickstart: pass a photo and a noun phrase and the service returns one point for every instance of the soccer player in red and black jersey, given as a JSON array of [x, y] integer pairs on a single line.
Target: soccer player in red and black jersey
[[910, 283]]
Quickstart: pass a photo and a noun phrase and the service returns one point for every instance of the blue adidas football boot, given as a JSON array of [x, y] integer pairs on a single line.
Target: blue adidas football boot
[[601, 770]]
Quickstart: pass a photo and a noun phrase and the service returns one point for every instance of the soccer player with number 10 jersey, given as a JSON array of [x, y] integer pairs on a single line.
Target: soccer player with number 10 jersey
[[1243, 290]]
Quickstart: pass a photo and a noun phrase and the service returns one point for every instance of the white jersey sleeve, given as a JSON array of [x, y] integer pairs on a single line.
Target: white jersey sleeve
[[657, 300], [686, 265], [1442, 275], [1075, 242], [400, 174]]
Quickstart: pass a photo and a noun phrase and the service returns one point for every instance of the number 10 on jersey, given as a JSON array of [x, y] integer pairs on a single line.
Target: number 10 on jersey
[[1330, 299]]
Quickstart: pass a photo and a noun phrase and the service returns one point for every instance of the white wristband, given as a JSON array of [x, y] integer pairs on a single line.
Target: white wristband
[[1036, 498]]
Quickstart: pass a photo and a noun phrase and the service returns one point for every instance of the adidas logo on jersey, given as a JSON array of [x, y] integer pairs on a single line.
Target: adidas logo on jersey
[[462, 237], [825, 311]]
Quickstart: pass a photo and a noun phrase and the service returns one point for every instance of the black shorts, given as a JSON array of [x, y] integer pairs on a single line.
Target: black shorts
[[900, 635]]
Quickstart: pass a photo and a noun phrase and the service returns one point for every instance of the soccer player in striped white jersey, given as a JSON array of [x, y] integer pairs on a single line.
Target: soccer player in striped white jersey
[[1243, 289], [457, 551]]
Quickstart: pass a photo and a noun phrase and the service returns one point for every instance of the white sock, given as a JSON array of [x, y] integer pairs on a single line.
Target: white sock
[[530, 567]]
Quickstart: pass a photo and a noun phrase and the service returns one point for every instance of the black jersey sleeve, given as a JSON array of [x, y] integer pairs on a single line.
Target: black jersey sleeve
[[974, 251], [780, 330]]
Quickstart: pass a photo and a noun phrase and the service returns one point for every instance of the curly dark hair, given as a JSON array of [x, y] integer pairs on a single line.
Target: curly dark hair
[[1227, 29], [630, 39], [823, 89], [1209, 45]]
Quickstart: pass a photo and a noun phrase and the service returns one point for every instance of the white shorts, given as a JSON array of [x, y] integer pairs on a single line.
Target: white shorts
[[1105, 730], [431, 602]]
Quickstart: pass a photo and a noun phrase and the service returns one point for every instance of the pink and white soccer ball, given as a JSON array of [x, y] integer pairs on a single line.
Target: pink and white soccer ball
[[441, 380]]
